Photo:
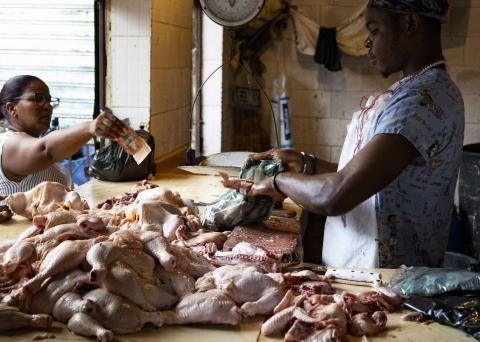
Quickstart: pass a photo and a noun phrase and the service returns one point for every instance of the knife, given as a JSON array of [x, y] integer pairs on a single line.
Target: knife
[[300, 266], [354, 277]]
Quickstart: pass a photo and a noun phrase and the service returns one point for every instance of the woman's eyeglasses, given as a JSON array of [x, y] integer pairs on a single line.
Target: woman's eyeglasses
[[40, 99]]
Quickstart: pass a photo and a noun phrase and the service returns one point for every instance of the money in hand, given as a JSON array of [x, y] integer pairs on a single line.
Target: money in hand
[[135, 145]]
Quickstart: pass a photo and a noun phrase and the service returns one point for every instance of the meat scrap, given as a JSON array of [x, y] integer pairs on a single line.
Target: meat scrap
[[43, 336], [240, 185], [312, 311], [278, 243], [5, 213], [414, 317]]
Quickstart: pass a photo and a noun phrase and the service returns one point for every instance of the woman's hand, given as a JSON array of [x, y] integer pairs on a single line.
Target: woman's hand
[[292, 159], [265, 188], [107, 125]]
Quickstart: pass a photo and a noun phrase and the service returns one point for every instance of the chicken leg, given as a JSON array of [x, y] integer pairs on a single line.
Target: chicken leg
[[11, 318], [85, 325], [66, 256]]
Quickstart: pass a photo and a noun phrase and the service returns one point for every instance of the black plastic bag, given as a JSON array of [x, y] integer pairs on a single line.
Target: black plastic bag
[[112, 163], [459, 310]]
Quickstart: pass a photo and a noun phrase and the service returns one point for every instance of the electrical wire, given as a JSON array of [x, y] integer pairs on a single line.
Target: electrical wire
[[256, 81]]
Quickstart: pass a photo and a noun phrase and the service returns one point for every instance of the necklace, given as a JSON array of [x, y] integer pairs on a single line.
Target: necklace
[[401, 83]]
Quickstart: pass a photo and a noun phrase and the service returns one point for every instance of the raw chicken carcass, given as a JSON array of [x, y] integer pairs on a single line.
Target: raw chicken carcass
[[155, 216], [119, 315], [101, 255], [120, 279], [45, 198], [160, 194], [256, 292], [69, 304], [213, 307], [56, 218], [180, 282], [38, 246], [11, 318], [56, 287], [193, 264], [152, 243], [66, 256]]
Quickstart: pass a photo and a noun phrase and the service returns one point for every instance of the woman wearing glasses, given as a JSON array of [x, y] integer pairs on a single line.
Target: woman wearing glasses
[[26, 157]]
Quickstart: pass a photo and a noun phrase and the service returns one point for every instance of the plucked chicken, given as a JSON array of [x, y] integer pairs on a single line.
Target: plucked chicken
[[256, 292], [212, 306], [46, 197]]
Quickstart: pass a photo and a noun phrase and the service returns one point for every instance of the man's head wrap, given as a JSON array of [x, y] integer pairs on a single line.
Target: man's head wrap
[[436, 9]]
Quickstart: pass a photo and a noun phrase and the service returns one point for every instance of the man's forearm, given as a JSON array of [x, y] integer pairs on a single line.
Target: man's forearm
[[315, 193], [320, 166]]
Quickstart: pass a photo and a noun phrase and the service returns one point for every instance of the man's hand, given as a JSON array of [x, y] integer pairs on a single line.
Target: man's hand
[[265, 188], [292, 159], [107, 125]]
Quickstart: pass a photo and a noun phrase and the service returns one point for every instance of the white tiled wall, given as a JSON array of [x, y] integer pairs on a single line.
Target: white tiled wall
[[322, 102], [129, 60]]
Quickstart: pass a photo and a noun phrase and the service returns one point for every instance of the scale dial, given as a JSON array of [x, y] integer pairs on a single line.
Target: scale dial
[[232, 13]]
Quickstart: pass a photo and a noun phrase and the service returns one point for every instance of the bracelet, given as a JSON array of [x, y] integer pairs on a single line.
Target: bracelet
[[304, 157], [275, 186], [314, 164]]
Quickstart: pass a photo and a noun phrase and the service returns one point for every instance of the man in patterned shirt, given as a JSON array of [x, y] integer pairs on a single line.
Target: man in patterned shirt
[[390, 197]]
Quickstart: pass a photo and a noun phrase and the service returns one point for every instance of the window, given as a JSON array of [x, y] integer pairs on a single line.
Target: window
[[54, 40]]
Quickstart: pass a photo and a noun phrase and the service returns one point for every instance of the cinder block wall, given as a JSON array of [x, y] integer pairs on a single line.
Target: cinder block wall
[[322, 102], [149, 76], [171, 74]]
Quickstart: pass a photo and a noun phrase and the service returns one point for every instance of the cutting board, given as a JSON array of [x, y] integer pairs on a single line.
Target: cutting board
[[248, 331], [211, 170]]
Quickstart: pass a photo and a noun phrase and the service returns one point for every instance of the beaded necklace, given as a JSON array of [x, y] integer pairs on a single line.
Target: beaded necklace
[[364, 107]]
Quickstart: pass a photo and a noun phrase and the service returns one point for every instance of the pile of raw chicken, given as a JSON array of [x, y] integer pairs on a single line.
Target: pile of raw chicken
[[143, 258]]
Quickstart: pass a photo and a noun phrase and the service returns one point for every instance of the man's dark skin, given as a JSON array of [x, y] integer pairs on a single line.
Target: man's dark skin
[[397, 42]]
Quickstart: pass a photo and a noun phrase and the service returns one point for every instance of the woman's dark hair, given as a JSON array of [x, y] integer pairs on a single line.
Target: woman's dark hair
[[13, 88]]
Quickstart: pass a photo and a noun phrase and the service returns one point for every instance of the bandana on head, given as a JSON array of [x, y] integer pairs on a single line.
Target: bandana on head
[[436, 9]]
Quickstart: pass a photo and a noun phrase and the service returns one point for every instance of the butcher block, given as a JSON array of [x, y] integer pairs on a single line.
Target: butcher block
[[206, 188]]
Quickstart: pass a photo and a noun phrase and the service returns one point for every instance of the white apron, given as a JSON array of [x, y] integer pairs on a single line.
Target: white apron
[[350, 240]]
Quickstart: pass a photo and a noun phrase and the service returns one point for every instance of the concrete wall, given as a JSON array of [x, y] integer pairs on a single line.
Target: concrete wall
[[150, 68], [322, 102]]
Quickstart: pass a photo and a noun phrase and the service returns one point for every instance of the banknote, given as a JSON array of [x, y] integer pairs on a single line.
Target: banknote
[[135, 145]]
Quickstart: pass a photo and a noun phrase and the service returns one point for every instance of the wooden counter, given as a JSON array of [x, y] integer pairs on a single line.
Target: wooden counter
[[207, 188]]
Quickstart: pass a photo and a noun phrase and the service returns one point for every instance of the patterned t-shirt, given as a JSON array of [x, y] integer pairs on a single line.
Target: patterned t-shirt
[[413, 212]]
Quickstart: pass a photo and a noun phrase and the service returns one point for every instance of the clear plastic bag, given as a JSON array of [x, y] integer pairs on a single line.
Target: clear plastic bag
[[234, 208], [425, 281]]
